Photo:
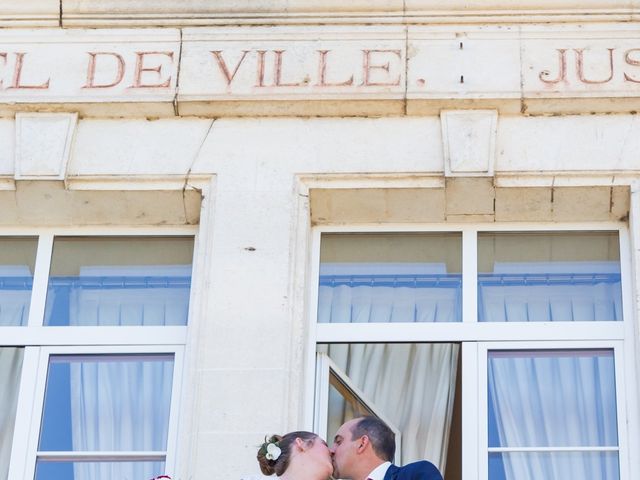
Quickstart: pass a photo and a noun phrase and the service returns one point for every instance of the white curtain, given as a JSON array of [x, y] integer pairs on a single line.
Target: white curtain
[[361, 293], [546, 399], [413, 385], [14, 307], [14, 301], [547, 303], [551, 291], [131, 305], [120, 405], [10, 368], [367, 304]]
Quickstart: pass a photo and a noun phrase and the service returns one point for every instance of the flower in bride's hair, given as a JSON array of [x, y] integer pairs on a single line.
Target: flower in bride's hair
[[273, 452]]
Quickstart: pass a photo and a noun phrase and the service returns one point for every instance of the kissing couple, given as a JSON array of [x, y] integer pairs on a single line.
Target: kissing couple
[[363, 449]]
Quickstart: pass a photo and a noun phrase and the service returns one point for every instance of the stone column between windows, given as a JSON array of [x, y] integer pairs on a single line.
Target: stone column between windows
[[634, 227], [243, 373]]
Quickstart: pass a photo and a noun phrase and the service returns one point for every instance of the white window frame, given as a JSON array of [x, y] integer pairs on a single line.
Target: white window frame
[[32, 409], [40, 342], [471, 333], [484, 348], [324, 367]]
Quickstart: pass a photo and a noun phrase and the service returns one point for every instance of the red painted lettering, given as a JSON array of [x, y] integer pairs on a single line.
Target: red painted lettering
[[277, 69], [141, 69], [580, 67], [260, 68], [322, 72], [91, 70], [635, 62], [223, 65], [368, 67], [17, 74], [562, 69]]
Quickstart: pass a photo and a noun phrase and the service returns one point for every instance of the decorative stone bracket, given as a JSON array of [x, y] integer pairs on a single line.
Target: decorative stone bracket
[[43, 145], [469, 142]]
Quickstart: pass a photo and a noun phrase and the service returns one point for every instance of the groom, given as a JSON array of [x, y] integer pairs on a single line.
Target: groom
[[363, 449]]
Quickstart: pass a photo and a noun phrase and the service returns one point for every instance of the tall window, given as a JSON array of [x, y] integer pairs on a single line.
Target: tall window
[[510, 345], [10, 368], [92, 333], [552, 414]]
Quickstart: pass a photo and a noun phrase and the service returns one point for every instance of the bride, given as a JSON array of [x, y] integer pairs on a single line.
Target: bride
[[296, 456]]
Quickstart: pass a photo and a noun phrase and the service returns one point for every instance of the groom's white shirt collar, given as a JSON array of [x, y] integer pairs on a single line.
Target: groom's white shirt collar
[[379, 471]]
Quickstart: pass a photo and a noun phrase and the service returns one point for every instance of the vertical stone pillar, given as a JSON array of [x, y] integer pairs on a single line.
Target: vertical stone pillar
[[634, 230], [243, 372]]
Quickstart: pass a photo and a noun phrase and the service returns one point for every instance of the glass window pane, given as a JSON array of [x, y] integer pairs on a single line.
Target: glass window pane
[[564, 276], [17, 263], [366, 278], [554, 465], [119, 281], [107, 403], [54, 470], [548, 399], [412, 385], [10, 369], [343, 404]]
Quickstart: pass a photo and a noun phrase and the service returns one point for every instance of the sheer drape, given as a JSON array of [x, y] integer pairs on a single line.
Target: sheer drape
[[413, 384], [14, 307], [544, 399], [129, 307], [16, 282], [554, 291], [120, 406], [133, 296], [10, 367], [367, 304], [372, 293]]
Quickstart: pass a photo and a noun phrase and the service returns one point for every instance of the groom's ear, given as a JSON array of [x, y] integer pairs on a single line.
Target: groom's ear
[[363, 442]]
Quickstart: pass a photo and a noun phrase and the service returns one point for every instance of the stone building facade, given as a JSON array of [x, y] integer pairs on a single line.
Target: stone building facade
[[478, 161]]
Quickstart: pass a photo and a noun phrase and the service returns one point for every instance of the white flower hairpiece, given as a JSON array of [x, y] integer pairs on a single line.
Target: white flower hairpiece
[[273, 452]]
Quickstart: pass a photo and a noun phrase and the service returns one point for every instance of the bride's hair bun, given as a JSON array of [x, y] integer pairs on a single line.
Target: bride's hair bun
[[274, 454], [268, 466]]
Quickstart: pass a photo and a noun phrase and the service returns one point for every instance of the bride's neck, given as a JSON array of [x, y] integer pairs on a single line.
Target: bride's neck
[[299, 472]]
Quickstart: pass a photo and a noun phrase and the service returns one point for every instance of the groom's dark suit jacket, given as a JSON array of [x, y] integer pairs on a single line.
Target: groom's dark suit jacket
[[422, 470]]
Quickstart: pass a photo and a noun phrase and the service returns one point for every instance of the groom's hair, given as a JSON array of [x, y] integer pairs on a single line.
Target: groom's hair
[[382, 438]]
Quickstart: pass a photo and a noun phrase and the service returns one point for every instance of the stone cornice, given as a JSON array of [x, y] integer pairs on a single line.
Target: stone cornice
[[322, 71], [111, 13]]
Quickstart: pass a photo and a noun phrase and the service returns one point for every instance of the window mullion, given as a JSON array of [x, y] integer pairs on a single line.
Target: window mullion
[[175, 411], [469, 275], [628, 244], [623, 412], [102, 456], [40, 280], [27, 415], [470, 411], [551, 449]]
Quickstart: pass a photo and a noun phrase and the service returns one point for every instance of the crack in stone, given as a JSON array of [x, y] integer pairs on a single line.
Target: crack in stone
[[188, 174], [176, 108]]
